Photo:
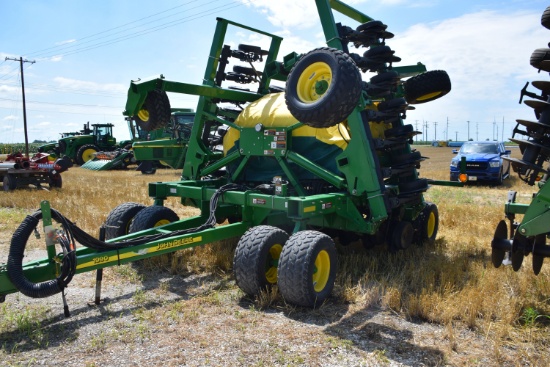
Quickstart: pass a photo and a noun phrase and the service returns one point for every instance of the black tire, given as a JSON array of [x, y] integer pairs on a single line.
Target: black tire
[[537, 58], [401, 236], [119, 219], [254, 49], [427, 224], [147, 167], [152, 216], [323, 87], [256, 257], [84, 153], [500, 179], [56, 182], [155, 111], [9, 182], [301, 282], [427, 87], [545, 18], [62, 147], [246, 71]]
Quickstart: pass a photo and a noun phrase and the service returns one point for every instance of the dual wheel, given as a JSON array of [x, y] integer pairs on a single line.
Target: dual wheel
[[303, 265], [134, 217]]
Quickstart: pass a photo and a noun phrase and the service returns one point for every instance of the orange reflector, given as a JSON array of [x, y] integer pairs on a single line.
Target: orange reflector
[[463, 177]]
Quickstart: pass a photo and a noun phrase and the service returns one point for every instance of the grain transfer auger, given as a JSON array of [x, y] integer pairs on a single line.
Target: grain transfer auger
[[326, 157], [528, 236]]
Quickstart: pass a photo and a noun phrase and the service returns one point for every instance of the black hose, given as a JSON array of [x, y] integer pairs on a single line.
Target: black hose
[[72, 234], [15, 262]]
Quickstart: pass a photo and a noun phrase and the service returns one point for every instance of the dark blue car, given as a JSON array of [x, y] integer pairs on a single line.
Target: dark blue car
[[484, 161]]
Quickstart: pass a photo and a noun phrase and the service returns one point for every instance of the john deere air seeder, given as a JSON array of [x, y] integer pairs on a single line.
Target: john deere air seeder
[[287, 155], [528, 236]]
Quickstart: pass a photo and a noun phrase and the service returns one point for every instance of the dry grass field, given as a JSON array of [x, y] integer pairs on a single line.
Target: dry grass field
[[426, 306]]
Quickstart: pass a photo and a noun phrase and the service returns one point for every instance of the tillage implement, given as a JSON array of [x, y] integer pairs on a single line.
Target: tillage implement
[[528, 235]]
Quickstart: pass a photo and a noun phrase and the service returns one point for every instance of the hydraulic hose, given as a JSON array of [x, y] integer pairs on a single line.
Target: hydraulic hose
[[67, 240], [15, 262]]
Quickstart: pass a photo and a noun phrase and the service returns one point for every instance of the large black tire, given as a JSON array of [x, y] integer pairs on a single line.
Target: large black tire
[[152, 216], [155, 111], [9, 182], [307, 268], [85, 153], [545, 18], [427, 87], [119, 219], [427, 224], [56, 182], [256, 258], [537, 58], [323, 87]]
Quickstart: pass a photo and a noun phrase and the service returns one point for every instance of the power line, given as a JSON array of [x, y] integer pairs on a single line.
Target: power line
[[151, 30], [112, 29], [63, 104], [71, 49]]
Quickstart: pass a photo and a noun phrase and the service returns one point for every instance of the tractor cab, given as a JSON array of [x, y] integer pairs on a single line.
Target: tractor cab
[[103, 135]]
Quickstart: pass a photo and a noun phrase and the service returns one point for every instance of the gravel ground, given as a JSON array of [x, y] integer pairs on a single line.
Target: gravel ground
[[204, 320]]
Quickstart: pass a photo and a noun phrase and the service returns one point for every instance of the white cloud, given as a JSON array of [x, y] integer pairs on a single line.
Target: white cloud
[[89, 86], [487, 57], [43, 124], [287, 13], [65, 42], [10, 118]]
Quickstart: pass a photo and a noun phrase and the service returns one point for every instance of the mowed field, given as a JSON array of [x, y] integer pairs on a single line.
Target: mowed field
[[431, 306]]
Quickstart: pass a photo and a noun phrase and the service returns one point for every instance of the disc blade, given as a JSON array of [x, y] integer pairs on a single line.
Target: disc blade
[[497, 252]]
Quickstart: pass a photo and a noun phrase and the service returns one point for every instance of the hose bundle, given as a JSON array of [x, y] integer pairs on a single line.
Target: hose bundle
[[70, 235], [17, 250]]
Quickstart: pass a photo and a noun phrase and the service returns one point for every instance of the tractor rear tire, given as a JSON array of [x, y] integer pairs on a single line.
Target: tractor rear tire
[[323, 88], [151, 217], [256, 258], [119, 219], [307, 268], [427, 87], [537, 58], [85, 153], [155, 111], [9, 182]]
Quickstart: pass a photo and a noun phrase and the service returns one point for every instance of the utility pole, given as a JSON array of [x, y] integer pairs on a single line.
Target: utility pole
[[477, 131], [426, 129], [21, 61], [502, 133], [435, 127], [447, 130], [456, 135], [468, 130], [416, 129]]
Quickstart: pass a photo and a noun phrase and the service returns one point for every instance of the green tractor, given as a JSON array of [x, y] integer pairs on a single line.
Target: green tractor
[[53, 147], [80, 148], [290, 171]]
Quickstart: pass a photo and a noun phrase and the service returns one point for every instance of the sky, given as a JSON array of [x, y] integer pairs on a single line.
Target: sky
[[86, 53]]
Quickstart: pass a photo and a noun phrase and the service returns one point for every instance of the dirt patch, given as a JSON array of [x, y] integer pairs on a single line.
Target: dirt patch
[[204, 320]]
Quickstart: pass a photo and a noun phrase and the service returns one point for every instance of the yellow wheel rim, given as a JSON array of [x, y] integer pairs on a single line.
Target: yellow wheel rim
[[88, 154], [161, 222], [143, 115], [314, 82], [321, 271], [272, 262], [430, 225], [428, 96]]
